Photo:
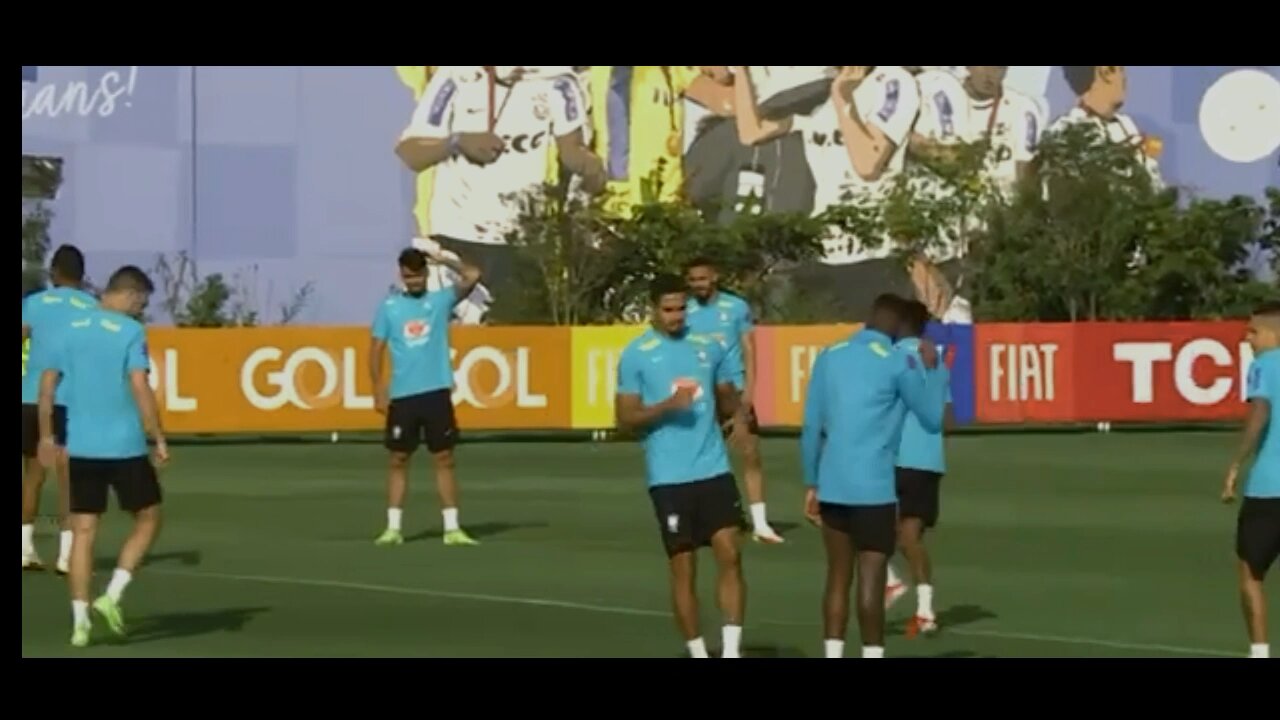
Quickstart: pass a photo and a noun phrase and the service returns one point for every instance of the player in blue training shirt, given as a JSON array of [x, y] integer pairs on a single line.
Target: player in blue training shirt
[[101, 361], [727, 318], [860, 391], [1258, 525], [921, 465], [44, 314], [675, 387], [417, 399]]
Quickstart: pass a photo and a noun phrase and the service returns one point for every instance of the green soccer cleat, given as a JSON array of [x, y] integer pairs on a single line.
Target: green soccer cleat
[[459, 537], [110, 611], [389, 537], [80, 635]]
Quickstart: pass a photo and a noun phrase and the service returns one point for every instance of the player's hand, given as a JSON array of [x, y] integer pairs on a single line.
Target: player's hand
[[928, 353], [1229, 485], [47, 453], [481, 148], [428, 247], [850, 77], [381, 401], [812, 511], [682, 399], [594, 178], [160, 453]]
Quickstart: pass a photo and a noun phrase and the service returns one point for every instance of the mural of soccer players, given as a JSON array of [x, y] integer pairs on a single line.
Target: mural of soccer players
[[638, 125], [971, 108], [1101, 91], [489, 132], [855, 142], [721, 169]]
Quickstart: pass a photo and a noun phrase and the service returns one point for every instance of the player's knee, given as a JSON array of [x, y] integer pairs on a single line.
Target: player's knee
[[399, 460], [84, 525], [444, 459], [148, 518]]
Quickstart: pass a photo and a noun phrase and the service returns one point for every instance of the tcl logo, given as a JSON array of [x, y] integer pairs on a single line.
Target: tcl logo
[[1205, 371]]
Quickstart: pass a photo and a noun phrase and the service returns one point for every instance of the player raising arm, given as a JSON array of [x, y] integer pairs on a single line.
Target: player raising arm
[[44, 314], [102, 360], [674, 388], [418, 399], [859, 393], [1258, 525]]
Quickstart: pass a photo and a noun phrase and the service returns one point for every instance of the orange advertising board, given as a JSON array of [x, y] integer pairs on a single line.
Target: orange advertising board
[[317, 379], [785, 355]]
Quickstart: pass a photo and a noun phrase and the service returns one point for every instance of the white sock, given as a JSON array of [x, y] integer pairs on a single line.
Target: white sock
[[79, 612], [731, 635], [1260, 650], [393, 518], [758, 518], [872, 651], [924, 601], [833, 648], [450, 519], [697, 648], [893, 577], [119, 581], [64, 545], [28, 533]]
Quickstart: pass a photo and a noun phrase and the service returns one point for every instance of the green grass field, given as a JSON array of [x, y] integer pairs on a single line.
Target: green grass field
[[1080, 545]]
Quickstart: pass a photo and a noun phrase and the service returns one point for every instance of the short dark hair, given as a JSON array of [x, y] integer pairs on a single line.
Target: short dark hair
[[699, 261], [68, 263], [413, 259], [665, 284], [130, 278], [915, 317], [1079, 77], [1268, 309], [888, 302]]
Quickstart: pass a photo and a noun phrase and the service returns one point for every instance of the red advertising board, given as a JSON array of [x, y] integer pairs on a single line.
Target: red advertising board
[[1110, 371]]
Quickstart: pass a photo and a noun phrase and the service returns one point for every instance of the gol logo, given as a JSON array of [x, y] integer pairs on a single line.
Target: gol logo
[[292, 383]]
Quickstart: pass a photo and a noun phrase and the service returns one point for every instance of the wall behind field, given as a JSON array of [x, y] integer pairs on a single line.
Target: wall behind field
[[285, 175]]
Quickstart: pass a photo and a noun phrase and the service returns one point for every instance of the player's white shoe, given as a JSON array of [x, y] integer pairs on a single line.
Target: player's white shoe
[[766, 535], [893, 592], [63, 566], [31, 561], [921, 625]]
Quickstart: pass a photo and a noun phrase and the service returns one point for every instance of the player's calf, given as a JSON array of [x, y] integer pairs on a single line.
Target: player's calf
[[731, 590]]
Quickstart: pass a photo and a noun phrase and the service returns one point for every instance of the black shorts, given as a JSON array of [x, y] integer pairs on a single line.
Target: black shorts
[[871, 528], [689, 514], [133, 480], [918, 494], [31, 428], [424, 419], [1258, 534]]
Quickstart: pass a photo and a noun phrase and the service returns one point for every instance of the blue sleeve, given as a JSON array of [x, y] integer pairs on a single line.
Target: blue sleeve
[[629, 374], [381, 323], [746, 323], [924, 393], [27, 311], [812, 428], [447, 298], [55, 352], [136, 356], [728, 367], [1257, 385]]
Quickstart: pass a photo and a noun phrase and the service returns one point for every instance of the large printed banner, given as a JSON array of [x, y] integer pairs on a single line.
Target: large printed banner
[[317, 378]]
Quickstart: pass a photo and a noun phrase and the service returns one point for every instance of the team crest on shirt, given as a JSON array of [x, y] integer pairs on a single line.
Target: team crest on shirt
[[688, 383], [415, 331], [673, 523]]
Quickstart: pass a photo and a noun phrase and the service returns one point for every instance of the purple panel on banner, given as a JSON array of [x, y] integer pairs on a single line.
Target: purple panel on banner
[[956, 342]]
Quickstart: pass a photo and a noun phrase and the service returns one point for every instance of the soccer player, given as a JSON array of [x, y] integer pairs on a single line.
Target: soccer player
[[44, 314], [101, 360], [1102, 91], [727, 318], [921, 464], [418, 400], [1258, 525], [674, 388], [859, 394]]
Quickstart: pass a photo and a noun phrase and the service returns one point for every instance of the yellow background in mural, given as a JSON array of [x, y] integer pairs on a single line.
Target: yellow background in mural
[[596, 351]]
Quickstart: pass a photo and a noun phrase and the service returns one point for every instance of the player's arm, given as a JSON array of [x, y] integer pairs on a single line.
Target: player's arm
[[138, 367], [813, 426], [923, 393], [715, 95], [467, 275], [49, 381], [1255, 425], [747, 341], [752, 128], [379, 332], [429, 139], [629, 409], [870, 145], [728, 400], [566, 124]]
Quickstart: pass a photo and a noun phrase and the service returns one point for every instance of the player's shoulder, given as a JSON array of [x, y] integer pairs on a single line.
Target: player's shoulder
[[896, 77], [731, 301], [934, 81], [644, 344]]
